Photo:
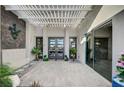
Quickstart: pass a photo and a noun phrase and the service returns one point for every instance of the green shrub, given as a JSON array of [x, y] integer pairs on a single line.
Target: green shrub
[[73, 52], [66, 58], [5, 71], [5, 82], [36, 52]]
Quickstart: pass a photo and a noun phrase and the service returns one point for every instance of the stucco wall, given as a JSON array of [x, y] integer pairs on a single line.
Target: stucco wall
[[14, 57], [8, 20], [30, 40], [58, 32], [19, 57], [13, 50], [118, 37]]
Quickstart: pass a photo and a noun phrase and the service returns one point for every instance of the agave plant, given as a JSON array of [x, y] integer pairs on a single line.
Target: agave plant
[[36, 52]]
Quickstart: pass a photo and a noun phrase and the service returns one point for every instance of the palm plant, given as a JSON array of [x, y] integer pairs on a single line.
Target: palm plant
[[5, 71], [73, 52], [36, 52]]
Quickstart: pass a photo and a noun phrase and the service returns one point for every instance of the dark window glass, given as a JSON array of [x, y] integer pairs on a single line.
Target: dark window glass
[[72, 44], [39, 44]]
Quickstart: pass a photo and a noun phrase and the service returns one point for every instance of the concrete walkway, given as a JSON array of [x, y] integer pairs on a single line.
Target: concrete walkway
[[63, 74]]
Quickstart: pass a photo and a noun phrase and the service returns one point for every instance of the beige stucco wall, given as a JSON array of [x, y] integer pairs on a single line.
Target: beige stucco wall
[[30, 40], [19, 57], [118, 38], [14, 57]]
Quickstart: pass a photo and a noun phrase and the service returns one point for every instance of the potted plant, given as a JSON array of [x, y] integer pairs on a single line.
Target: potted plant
[[7, 77], [36, 52], [73, 52], [66, 58], [119, 78], [45, 58]]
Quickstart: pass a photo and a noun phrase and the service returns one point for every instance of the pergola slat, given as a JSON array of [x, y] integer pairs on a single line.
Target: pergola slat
[[51, 15]]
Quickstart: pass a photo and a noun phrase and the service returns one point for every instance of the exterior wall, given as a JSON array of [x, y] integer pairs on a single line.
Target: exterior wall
[[82, 29], [19, 57], [118, 37], [8, 20], [14, 57], [58, 32], [38, 32], [30, 40], [13, 50]]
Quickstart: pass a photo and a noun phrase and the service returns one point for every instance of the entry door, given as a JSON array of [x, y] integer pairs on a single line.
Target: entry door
[[56, 48]]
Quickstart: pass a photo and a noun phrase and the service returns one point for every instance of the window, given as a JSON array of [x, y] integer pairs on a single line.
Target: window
[[39, 44], [72, 44]]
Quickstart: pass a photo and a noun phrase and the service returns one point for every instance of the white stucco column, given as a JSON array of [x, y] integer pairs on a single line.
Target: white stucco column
[[45, 42], [27, 41], [84, 50], [30, 40], [66, 51]]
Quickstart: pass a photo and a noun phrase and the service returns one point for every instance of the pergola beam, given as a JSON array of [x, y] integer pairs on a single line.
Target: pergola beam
[[30, 17], [48, 8], [52, 23]]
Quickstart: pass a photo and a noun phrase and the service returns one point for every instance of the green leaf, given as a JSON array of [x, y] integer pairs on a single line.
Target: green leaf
[[5, 71], [5, 82]]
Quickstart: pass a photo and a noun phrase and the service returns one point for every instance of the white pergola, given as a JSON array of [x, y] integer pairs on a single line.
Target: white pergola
[[51, 15]]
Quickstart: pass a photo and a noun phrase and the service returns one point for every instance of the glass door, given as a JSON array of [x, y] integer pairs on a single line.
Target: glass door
[[56, 48], [60, 48], [52, 48]]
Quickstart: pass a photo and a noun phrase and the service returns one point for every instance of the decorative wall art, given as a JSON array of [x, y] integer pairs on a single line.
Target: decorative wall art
[[13, 30]]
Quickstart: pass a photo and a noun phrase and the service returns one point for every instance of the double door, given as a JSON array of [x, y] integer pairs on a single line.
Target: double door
[[56, 47]]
